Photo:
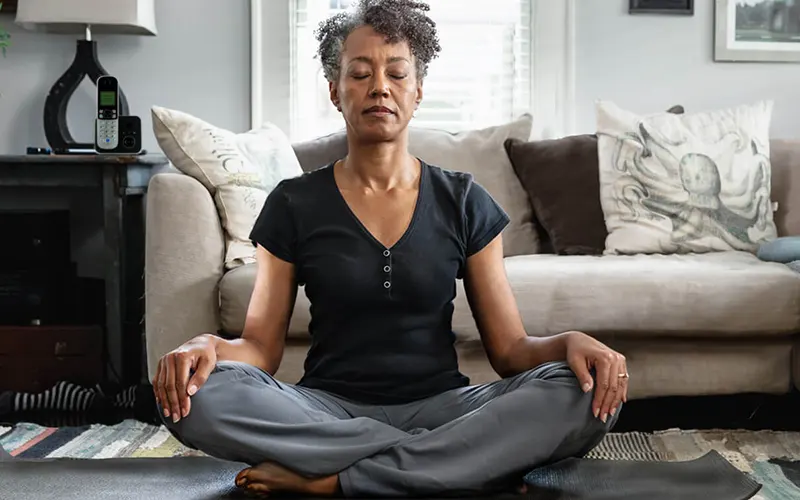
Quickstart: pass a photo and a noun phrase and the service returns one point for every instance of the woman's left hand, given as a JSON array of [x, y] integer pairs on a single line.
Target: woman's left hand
[[611, 372]]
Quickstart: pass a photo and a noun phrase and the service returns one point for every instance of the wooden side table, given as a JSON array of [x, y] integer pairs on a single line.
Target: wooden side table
[[122, 183]]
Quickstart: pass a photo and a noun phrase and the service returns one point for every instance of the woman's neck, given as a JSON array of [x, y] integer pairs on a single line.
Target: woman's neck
[[381, 166]]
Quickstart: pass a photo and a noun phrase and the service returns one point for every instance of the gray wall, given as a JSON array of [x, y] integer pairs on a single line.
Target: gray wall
[[648, 63], [200, 66]]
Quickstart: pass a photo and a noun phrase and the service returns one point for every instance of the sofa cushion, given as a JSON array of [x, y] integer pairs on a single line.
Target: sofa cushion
[[479, 152], [659, 366], [320, 151], [235, 289], [714, 294]]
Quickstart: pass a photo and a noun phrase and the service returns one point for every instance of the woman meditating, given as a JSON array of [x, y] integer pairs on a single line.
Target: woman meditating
[[378, 239]]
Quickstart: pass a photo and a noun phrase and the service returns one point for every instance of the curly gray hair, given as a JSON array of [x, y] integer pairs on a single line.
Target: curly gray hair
[[397, 20]]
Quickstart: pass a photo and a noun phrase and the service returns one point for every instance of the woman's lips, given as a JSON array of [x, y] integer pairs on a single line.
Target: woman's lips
[[379, 111]]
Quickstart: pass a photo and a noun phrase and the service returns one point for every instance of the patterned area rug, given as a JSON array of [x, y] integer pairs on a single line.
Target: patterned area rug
[[771, 458]]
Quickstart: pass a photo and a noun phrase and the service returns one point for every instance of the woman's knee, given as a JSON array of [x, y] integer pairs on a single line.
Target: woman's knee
[[204, 406], [551, 370], [561, 372], [595, 432]]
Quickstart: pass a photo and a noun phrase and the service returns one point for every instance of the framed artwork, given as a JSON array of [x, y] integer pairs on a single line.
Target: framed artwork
[[8, 6], [683, 7], [757, 30]]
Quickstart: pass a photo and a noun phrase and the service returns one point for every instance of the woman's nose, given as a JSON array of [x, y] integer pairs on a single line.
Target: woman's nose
[[379, 87]]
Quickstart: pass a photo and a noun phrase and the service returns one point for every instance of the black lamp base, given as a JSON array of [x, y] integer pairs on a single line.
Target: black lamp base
[[55, 107]]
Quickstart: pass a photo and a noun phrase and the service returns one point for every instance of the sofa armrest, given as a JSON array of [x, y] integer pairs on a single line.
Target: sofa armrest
[[184, 262]]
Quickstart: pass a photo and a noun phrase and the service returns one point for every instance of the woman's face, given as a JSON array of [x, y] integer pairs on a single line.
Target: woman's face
[[378, 90]]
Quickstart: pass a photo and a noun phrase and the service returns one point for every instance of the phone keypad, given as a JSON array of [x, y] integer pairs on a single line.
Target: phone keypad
[[107, 134]]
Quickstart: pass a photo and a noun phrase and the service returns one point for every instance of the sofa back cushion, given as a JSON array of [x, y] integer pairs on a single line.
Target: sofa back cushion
[[321, 151], [479, 152], [785, 159]]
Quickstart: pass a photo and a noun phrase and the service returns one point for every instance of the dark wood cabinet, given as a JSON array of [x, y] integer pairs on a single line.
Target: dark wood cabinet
[[122, 184], [34, 358]]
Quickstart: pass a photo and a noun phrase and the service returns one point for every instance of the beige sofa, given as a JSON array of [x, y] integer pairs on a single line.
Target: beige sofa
[[718, 323]]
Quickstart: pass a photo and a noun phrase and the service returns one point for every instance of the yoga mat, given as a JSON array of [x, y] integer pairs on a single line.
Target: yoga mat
[[709, 477], [195, 478], [201, 478]]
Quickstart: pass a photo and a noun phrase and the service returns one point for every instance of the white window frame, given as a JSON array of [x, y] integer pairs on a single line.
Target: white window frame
[[552, 54]]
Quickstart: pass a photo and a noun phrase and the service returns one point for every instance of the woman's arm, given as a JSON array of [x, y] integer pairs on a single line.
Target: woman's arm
[[494, 307], [268, 315], [512, 351]]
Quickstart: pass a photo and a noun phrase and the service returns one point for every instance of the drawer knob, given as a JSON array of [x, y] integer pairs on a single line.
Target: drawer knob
[[61, 348]]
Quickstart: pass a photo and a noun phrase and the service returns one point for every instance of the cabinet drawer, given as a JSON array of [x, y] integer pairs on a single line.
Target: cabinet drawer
[[34, 358], [44, 341], [34, 374]]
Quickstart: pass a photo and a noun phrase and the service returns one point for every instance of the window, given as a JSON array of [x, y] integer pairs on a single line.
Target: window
[[482, 76]]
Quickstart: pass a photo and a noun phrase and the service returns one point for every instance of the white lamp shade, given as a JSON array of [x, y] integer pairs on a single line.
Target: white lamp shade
[[126, 17]]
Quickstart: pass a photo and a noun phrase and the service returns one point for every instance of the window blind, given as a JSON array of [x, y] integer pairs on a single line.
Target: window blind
[[481, 78]]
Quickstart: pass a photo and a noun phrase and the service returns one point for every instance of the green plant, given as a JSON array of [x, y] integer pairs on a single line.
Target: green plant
[[5, 36]]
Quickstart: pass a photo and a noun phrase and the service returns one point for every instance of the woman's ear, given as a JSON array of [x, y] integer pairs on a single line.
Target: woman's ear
[[334, 93]]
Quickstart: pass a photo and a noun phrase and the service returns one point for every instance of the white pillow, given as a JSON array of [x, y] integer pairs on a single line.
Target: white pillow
[[692, 183], [239, 170]]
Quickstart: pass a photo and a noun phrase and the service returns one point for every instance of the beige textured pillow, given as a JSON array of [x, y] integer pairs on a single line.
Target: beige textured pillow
[[239, 170], [482, 153]]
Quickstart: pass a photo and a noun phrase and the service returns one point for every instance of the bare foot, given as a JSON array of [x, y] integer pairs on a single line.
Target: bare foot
[[271, 477]]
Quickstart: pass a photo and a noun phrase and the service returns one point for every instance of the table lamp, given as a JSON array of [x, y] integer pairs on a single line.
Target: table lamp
[[126, 17]]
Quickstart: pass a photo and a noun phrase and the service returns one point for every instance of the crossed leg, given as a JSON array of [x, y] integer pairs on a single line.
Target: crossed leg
[[468, 440]]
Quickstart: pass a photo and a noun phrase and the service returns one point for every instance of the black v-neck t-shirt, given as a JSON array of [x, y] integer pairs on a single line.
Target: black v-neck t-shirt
[[380, 317]]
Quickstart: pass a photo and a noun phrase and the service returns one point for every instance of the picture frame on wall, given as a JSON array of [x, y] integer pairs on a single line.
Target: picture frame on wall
[[757, 30], [677, 7]]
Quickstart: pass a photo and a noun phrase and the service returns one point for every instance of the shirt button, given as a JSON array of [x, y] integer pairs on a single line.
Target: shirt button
[[386, 253], [386, 284], [386, 269]]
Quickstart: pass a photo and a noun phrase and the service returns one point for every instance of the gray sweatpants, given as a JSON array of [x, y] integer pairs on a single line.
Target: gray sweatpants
[[469, 440]]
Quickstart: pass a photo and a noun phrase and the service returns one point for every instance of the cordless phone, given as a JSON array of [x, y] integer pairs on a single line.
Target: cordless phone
[[107, 128]]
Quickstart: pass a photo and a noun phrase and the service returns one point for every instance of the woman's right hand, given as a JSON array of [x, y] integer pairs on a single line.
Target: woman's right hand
[[172, 384]]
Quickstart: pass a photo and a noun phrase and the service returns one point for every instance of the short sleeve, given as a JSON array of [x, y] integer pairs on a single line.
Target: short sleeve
[[484, 218], [275, 228]]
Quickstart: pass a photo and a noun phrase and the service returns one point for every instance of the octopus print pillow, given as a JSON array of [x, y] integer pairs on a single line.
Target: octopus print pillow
[[691, 183]]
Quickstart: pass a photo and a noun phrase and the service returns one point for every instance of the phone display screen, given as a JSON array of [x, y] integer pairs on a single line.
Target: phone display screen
[[108, 98]]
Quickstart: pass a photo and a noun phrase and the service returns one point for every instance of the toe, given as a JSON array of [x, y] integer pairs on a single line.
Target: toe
[[242, 477], [258, 488]]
